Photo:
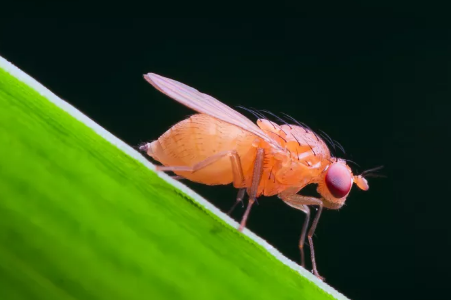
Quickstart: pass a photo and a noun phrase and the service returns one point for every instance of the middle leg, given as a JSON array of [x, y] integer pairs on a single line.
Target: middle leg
[[256, 176], [239, 198]]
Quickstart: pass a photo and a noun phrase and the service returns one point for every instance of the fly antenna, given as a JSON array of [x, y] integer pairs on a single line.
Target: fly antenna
[[372, 172]]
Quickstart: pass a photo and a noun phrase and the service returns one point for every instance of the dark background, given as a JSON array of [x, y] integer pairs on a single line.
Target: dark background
[[380, 86]]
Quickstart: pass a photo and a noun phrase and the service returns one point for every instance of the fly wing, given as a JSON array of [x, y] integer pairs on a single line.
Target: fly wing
[[206, 104]]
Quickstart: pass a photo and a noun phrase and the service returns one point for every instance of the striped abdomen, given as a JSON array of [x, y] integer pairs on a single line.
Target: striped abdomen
[[199, 137]]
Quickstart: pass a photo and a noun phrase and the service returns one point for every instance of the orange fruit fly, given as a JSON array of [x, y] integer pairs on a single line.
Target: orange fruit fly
[[221, 146]]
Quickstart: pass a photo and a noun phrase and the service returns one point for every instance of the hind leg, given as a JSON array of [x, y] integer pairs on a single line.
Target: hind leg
[[238, 176], [235, 161]]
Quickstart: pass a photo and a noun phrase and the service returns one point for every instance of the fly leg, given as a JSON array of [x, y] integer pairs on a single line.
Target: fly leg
[[306, 210], [238, 177], [300, 202], [237, 170], [256, 176], [239, 198]]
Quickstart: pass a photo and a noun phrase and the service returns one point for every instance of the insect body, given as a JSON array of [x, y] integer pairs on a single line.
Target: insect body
[[221, 146]]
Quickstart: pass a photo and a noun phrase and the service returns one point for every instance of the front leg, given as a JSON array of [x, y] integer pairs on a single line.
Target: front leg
[[300, 202]]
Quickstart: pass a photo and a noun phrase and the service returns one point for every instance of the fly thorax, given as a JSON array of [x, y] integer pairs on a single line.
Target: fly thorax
[[293, 173]]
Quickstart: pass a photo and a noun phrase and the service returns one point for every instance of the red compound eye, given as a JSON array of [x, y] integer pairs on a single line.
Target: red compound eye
[[338, 180]]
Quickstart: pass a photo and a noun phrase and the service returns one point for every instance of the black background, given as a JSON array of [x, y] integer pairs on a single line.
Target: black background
[[380, 86]]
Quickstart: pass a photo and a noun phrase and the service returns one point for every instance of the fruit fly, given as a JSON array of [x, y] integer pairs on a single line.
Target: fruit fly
[[220, 146]]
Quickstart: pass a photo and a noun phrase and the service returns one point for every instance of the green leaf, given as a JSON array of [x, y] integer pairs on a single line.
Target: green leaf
[[84, 216]]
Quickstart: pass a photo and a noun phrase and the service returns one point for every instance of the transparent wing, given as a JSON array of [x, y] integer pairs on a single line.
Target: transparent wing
[[206, 104]]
